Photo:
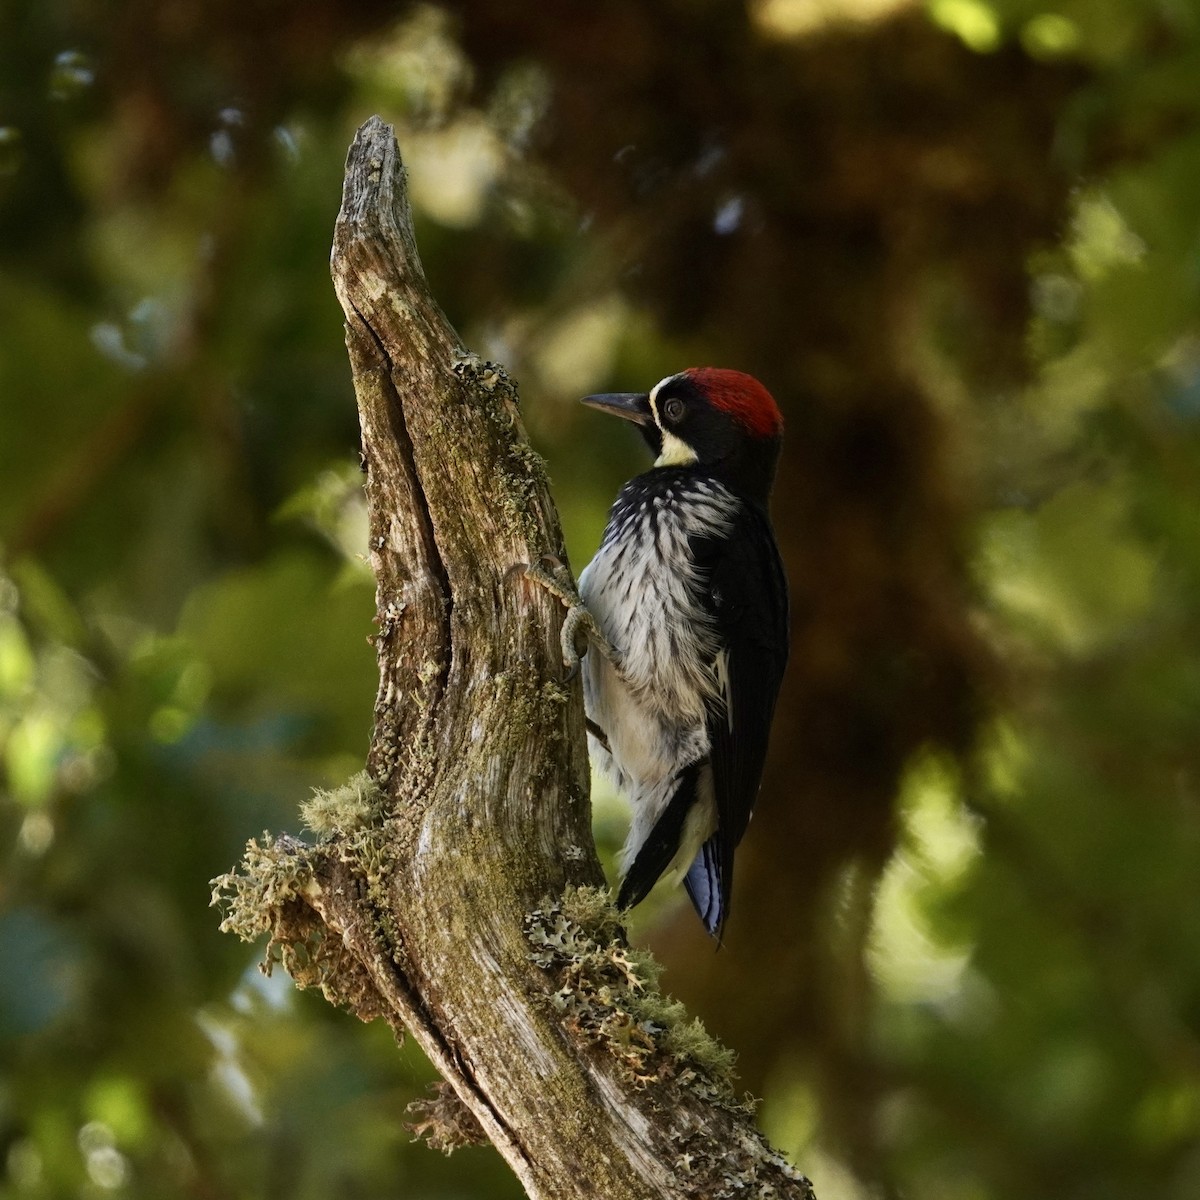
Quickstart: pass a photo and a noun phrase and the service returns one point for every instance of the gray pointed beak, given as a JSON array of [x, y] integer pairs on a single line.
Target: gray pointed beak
[[631, 406]]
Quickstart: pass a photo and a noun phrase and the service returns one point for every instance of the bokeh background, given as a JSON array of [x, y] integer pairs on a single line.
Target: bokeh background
[[959, 240]]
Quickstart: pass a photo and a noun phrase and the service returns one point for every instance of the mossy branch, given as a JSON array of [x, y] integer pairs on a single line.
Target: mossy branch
[[454, 888]]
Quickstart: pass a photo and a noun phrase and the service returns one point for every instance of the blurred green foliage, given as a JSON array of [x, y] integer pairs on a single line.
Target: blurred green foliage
[[1000, 989]]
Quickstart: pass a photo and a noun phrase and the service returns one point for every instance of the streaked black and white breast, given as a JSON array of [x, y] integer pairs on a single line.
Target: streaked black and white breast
[[647, 593]]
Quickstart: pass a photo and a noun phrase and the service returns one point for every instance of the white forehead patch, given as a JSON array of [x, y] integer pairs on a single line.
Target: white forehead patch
[[655, 389]]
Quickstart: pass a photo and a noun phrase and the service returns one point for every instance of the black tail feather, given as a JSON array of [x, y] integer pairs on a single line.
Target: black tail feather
[[660, 847]]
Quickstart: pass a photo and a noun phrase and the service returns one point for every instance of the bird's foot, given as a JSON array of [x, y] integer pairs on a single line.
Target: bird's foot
[[579, 629]]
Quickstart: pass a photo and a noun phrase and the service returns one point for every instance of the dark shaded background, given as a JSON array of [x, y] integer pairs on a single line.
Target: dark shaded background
[[961, 244]]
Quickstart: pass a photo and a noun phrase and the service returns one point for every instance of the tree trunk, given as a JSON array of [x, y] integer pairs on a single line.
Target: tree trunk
[[455, 890]]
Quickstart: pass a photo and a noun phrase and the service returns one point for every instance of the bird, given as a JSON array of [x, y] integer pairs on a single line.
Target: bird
[[687, 602]]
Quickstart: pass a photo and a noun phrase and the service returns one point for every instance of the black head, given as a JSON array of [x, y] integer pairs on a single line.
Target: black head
[[722, 422]]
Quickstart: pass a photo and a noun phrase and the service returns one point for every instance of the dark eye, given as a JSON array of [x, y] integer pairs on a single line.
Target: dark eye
[[673, 409]]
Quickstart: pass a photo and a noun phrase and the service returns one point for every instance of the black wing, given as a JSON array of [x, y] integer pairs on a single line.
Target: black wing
[[745, 589]]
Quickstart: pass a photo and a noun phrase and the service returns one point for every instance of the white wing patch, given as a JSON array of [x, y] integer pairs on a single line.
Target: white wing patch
[[722, 669]]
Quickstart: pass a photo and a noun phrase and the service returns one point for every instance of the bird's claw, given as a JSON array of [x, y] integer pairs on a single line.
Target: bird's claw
[[579, 629]]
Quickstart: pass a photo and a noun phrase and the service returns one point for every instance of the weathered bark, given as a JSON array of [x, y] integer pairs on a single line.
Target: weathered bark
[[454, 891]]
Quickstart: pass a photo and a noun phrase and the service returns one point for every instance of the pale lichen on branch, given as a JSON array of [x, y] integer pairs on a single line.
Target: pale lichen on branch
[[608, 991], [444, 1121], [522, 470]]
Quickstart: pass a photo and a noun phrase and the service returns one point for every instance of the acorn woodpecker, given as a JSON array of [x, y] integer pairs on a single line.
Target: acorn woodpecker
[[689, 598]]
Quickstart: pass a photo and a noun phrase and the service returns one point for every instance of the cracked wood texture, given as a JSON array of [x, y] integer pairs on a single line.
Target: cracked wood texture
[[480, 755]]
